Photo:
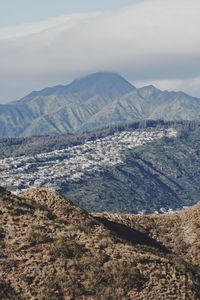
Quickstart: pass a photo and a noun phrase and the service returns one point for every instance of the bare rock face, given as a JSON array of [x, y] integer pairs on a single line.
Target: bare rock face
[[51, 249]]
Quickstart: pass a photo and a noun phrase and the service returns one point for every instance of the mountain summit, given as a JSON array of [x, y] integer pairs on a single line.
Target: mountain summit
[[92, 102], [101, 83]]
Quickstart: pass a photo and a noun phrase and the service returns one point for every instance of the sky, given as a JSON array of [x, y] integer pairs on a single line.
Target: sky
[[15, 12], [48, 42]]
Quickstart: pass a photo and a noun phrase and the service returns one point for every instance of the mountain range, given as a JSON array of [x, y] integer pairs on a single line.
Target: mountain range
[[92, 102], [51, 249]]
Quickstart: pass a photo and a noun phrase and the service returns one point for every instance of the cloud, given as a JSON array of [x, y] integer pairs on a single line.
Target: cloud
[[151, 41], [187, 85], [64, 21]]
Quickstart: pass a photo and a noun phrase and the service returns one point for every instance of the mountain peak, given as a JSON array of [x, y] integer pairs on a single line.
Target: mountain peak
[[86, 103], [148, 91], [102, 76], [102, 83], [150, 88]]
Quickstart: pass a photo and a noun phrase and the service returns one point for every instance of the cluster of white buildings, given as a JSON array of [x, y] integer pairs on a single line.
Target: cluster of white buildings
[[73, 163]]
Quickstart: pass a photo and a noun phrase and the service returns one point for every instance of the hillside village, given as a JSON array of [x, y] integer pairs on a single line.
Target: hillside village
[[73, 163]]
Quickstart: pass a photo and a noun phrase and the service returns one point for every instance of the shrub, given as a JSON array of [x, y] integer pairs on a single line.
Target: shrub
[[67, 248], [37, 235], [2, 234]]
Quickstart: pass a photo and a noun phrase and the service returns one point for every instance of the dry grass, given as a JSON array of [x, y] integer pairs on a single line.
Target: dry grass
[[51, 249]]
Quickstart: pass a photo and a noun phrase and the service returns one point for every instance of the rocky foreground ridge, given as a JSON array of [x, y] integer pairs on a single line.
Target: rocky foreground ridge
[[179, 231], [51, 249]]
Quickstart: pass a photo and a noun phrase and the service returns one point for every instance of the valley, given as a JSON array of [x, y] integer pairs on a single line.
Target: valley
[[100, 150], [74, 163], [137, 168]]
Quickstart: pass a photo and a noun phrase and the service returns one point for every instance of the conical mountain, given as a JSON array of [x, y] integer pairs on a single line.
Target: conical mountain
[[106, 84], [62, 109]]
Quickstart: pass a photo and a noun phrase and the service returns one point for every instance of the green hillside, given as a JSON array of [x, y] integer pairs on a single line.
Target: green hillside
[[163, 174]]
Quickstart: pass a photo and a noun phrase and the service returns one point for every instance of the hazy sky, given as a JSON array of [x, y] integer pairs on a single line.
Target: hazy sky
[[15, 12], [48, 42]]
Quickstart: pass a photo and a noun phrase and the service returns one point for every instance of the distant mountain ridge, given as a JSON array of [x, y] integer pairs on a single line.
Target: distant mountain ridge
[[102, 83], [92, 102]]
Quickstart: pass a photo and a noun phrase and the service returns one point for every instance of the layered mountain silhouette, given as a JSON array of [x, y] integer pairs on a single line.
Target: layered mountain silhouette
[[92, 102]]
